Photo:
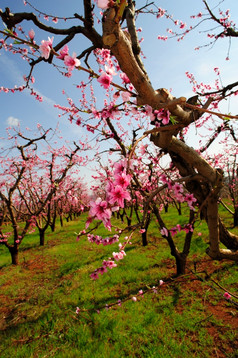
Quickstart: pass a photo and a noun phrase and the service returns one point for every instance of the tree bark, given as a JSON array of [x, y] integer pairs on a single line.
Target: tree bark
[[181, 261], [144, 238], [14, 255], [42, 237], [235, 219], [227, 238], [61, 220]]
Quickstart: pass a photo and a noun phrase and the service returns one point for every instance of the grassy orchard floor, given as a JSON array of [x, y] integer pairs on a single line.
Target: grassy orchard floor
[[188, 317]]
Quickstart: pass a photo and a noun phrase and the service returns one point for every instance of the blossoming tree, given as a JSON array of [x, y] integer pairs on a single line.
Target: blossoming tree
[[117, 50], [28, 184]]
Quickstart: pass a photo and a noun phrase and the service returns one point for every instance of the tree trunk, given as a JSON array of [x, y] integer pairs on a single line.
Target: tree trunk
[[52, 224], [42, 237], [14, 255], [144, 234], [61, 220], [128, 221], [181, 261], [144, 238], [235, 217], [122, 216], [180, 258], [227, 238]]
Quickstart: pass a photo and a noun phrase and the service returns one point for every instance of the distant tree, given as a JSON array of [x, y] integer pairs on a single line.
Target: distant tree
[[28, 184], [42, 182], [11, 175]]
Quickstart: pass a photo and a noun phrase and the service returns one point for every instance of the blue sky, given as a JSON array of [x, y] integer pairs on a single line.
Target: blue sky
[[166, 63]]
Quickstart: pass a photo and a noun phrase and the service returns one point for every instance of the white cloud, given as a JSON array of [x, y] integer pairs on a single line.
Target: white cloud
[[13, 122]]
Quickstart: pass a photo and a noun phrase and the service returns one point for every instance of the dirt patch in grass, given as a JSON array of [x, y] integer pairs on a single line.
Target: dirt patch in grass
[[11, 301], [221, 315]]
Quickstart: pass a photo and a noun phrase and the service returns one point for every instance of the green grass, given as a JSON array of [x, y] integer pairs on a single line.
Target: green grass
[[39, 298]]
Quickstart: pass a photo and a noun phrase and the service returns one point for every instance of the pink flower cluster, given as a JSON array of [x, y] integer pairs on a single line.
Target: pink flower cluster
[[4, 237], [69, 61], [101, 211], [46, 47], [105, 80], [119, 255], [104, 241], [110, 263], [103, 4], [178, 191], [116, 193], [158, 116], [101, 270], [174, 230], [227, 296], [31, 34], [110, 67]]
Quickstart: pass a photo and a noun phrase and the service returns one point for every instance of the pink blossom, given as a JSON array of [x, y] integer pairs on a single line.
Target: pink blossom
[[63, 52], [173, 231], [119, 255], [178, 188], [105, 80], [149, 112], [188, 228], [110, 70], [117, 195], [102, 270], [164, 232], [164, 179], [71, 62], [122, 179], [154, 289], [179, 197], [227, 295], [94, 275], [31, 34], [189, 198], [103, 4], [110, 264], [88, 222], [182, 25], [125, 96], [124, 78], [119, 167], [46, 47], [107, 224], [134, 298], [163, 115], [161, 282], [100, 210]]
